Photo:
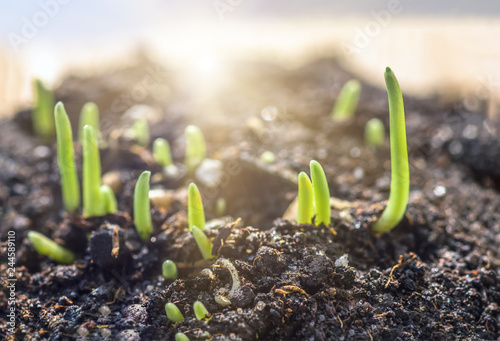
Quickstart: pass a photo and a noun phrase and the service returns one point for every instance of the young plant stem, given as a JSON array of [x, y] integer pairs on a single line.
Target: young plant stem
[[47, 247], [204, 244], [109, 200], [347, 102], [196, 213], [92, 201], [374, 132], [140, 130], [196, 149], [321, 194], [400, 173], [66, 160], [181, 337], [161, 152], [42, 117], [142, 210], [89, 115], [305, 209]]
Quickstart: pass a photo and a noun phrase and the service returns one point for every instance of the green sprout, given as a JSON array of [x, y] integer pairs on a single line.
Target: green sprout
[[140, 131], [181, 337], [204, 244], [321, 194], [142, 211], [109, 200], [200, 311], [196, 213], [43, 121], [347, 102], [92, 201], [89, 115], [374, 132], [169, 270], [161, 152], [47, 247], [196, 149], [305, 209], [400, 173], [173, 313], [66, 160], [220, 207]]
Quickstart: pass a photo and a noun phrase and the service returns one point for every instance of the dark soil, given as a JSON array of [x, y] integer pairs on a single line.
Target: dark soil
[[434, 277]]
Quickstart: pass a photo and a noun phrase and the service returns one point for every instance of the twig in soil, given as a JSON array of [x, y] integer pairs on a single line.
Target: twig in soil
[[341, 323], [114, 298]]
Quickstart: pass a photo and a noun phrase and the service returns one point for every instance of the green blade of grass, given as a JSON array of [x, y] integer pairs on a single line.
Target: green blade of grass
[[196, 213], [305, 209], [66, 160], [400, 172], [142, 208], [47, 247], [92, 202], [321, 194]]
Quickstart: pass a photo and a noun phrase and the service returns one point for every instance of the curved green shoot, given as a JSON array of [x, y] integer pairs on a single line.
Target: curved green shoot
[[92, 201], [181, 337], [347, 102], [161, 152], [321, 194], [400, 172], [89, 115], [204, 244], [47, 247], [374, 132], [173, 313], [305, 209], [142, 210], [196, 149], [66, 160], [196, 213], [200, 311], [169, 270], [42, 117], [140, 130], [109, 200]]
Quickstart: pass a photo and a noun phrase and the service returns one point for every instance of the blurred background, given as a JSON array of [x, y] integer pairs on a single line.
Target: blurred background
[[449, 48]]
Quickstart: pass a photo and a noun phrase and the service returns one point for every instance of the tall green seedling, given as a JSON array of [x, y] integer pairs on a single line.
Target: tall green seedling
[[400, 171], [66, 160]]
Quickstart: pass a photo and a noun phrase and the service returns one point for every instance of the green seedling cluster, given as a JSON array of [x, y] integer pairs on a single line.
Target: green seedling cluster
[[305, 211], [109, 200], [169, 270], [173, 313], [347, 102], [321, 194], [196, 213], [140, 131], [196, 149], [161, 152], [89, 116], [400, 172], [374, 132], [47, 247], [93, 205], [200, 311], [66, 160], [42, 117], [142, 213]]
